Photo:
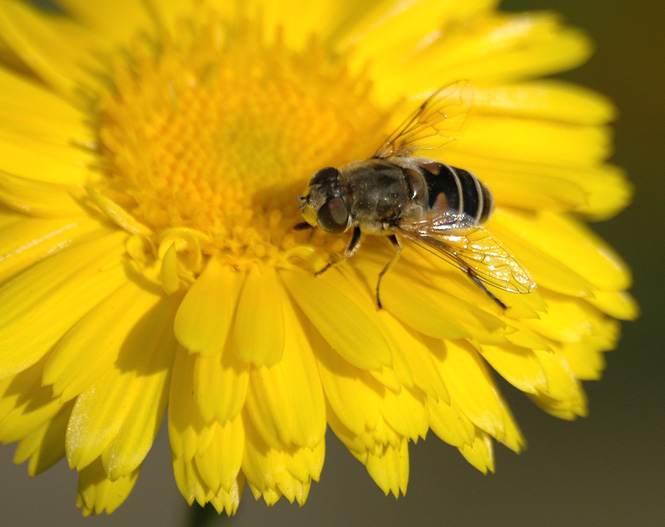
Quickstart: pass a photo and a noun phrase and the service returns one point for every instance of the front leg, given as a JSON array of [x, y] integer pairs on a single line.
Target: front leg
[[398, 249], [354, 245]]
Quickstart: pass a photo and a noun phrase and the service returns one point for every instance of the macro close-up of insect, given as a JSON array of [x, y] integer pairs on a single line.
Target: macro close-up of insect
[[438, 207]]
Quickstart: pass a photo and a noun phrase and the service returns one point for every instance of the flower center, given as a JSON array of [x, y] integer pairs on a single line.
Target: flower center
[[216, 130]]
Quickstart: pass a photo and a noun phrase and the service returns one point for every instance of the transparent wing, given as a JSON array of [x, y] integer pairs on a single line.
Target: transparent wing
[[435, 122], [474, 250]]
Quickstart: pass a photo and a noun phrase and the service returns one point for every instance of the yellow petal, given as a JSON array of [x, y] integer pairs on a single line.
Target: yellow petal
[[260, 302], [471, 387], [557, 238], [117, 22], [416, 350], [449, 424], [219, 464], [571, 320], [220, 386], [519, 366], [288, 472], [96, 493], [434, 311], [205, 315], [554, 143], [51, 46], [353, 394], [63, 288], [285, 401], [344, 314], [187, 431], [118, 416], [480, 452], [71, 367], [229, 500], [406, 413], [586, 361], [564, 397], [34, 113], [139, 430], [189, 482], [385, 32], [20, 160], [45, 446], [25, 405], [390, 468], [491, 50], [616, 304], [25, 241], [545, 99], [98, 414], [39, 198]]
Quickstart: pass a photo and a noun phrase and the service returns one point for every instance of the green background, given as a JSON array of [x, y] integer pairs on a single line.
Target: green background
[[607, 469]]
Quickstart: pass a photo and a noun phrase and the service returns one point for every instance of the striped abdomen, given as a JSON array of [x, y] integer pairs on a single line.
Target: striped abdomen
[[462, 190]]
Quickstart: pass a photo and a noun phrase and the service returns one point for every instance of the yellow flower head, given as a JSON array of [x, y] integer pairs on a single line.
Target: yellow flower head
[[152, 156]]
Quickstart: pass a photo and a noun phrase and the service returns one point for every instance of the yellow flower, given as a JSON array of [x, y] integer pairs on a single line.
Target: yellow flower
[[151, 154]]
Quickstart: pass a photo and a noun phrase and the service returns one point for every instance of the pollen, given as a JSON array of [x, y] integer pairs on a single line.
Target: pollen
[[218, 132]]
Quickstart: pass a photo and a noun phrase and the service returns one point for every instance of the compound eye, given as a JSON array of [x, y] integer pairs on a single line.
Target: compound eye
[[333, 216], [324, 175]]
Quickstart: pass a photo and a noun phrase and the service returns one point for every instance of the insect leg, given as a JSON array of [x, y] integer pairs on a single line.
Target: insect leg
[[302, 226], [398, 249], [354, 243], [471, 274]]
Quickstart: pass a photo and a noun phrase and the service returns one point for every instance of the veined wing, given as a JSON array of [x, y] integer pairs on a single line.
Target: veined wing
[[472, 249], [434, 123]]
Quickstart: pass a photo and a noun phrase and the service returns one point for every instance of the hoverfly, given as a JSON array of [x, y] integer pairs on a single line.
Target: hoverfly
[[439, 207]]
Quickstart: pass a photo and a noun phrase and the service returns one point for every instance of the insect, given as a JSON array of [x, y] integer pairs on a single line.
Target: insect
[[434, 205]]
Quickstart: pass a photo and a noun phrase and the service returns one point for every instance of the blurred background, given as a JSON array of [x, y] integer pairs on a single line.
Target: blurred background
[[607, 469]]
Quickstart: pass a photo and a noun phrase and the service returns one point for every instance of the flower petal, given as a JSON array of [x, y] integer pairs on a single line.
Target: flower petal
[[449, 424], [205, 315], [472, 388], [96, 493], [25, 241], [153, 373], [557, 236], [344, 315], [219, 464], [118, 416], [431, 304], [188, 434], [225, 376], [189, 482], [32, 113], [45, 446], [38, 40], [20, 159], [274, 473], [564, 397], [480, 452], [285, 401], [519, 366], [406, 413], [117, 22], [542, 142], [25, 405], [39, 199], [71, 369], [64, 287], [416, 350], [389, 468], [260, 300]]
